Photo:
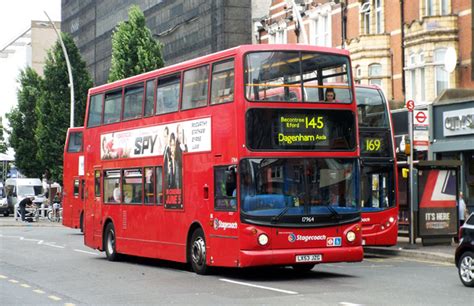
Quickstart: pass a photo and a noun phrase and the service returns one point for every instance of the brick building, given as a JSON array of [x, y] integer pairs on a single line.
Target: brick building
[[371, 30]]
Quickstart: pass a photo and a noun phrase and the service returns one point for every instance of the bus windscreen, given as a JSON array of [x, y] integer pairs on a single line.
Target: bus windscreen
[[291, 76]]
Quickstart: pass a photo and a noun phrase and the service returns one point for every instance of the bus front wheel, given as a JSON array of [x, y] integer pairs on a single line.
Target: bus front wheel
[[109, 243], [197, 251]]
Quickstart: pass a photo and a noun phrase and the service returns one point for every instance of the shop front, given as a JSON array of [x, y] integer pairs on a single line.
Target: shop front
[[452, 135]]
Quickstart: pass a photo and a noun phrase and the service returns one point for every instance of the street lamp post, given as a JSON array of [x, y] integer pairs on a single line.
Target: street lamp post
[[69, 70]]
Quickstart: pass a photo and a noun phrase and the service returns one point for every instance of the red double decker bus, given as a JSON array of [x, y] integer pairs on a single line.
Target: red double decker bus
[[379, 182], [201, 162], [73, 178]]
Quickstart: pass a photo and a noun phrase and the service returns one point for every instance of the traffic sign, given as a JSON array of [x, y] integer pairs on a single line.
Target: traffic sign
[[410, 105]]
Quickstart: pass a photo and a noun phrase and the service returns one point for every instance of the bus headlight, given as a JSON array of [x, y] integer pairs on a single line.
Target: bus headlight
[[391, 219], [262, 239], [351, 236]]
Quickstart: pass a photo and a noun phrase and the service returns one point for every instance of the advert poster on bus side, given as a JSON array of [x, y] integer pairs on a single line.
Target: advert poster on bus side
[[167, 140], [437, 199]]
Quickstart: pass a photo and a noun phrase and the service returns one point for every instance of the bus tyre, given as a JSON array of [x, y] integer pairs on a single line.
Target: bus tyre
[[303, 267], [6, 213], [466, 269], [109, 243], [197, 252]]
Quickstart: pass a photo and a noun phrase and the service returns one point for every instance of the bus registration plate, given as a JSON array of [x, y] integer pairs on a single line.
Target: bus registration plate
[[309, 258]]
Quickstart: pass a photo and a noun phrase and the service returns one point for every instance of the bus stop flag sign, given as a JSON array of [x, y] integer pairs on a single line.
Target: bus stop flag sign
[[410, 105]]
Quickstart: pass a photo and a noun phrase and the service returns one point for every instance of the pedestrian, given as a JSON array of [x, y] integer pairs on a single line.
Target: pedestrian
[[462, 209], [28, 201]]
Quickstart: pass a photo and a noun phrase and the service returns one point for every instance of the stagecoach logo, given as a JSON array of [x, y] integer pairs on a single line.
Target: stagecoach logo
[[292, 238], [225, 225]]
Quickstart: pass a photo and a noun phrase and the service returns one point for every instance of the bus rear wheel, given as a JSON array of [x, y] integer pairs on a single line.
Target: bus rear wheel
[[197, 252], [110, 243], [303, 267]]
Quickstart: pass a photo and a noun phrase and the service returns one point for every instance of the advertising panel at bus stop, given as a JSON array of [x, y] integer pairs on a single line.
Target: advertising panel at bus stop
[[437, 190]]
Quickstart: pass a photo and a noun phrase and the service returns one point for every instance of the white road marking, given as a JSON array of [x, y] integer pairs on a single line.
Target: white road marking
[[30, 239], [348, 304], [55, 298], [51, 244], [86, 252], [13, 281], [25, 286], [38, 291], [3, 277], [258, 286]]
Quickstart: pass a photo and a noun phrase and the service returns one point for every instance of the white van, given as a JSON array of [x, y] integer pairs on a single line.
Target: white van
[[16, 189]]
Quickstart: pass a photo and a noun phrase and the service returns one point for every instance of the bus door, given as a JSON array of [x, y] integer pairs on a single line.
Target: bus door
[[377, 192], [224, 216], [93, 209]]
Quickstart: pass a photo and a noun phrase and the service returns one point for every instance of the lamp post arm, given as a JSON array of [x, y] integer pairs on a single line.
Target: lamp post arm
[[69, 70]]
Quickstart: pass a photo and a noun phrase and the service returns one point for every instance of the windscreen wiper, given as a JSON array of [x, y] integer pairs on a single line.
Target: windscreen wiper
[[334, 213], [282, 212]]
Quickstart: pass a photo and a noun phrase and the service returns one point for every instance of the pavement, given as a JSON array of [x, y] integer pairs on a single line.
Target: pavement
[[440, 253], [42, 222]]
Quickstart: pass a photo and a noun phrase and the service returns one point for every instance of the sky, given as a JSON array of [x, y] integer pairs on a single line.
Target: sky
[[15, 18]]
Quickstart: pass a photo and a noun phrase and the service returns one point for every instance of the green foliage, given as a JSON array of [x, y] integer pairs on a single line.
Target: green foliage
[[3, 145], [23, 122], [53, 111], [134, 50]]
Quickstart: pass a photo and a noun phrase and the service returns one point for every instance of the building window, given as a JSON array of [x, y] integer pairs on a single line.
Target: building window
[[358, 72], [444, 7], [278, 37], [429, 7], [416, 72], [378, 16], [375, 73], [321, 31], [441, 75], [365, 16]]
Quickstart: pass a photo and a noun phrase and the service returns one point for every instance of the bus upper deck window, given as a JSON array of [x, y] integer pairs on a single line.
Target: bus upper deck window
[[112, 107], [195, 87], [95, 111], [133, 102], [167, 94], [222, 86]]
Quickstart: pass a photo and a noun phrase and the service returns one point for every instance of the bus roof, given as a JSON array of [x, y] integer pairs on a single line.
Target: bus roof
[[213, 57]]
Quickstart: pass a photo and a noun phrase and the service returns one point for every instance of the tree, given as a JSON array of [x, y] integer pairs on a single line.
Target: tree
[[134, 50], [3, 145], [23, 123], [53, 111]]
